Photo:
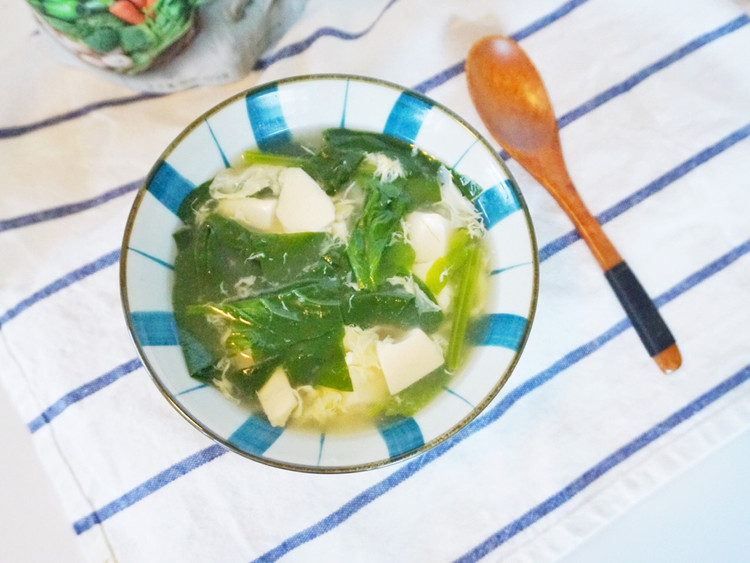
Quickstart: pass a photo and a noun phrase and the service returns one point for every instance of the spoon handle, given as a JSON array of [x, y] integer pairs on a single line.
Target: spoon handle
[[644, 315], [641, 310]]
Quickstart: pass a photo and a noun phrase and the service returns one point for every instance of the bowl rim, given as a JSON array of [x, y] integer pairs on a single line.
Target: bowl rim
[[329, 469]]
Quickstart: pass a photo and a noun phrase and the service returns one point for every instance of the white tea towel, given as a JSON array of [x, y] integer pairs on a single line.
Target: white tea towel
[[653, 100]]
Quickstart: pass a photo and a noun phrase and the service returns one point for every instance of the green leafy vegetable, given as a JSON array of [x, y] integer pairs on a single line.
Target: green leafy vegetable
[[300, 329], [392, 305], [381, 216], [460, 268], [463, 302], [397, 259], [466, 186], [102, 40], [413, 162], [220, 252], [272, 159], [137, 37], [446, 267]]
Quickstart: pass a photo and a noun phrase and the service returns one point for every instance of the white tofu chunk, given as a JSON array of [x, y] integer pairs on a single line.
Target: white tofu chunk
[[408, 360], [303, 205], [420, 269], [428, 235], [253, 212], [277, 398], [445, 298]]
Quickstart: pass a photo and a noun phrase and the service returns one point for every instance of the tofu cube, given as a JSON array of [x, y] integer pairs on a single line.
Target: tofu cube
[[303, 205], [277, 398], [253, 212], [408, 360], [428, 235]]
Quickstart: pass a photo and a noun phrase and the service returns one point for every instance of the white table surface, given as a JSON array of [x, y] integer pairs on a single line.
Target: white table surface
[[701, 515]]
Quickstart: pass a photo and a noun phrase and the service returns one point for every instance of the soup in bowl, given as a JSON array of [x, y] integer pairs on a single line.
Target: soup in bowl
[[329, 273]]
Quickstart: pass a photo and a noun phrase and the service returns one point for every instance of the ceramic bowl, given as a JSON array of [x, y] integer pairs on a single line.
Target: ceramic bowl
[[259, 118]]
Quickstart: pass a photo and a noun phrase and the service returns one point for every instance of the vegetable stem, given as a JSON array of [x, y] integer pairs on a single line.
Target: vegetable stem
[[462, 305], [256, 157]]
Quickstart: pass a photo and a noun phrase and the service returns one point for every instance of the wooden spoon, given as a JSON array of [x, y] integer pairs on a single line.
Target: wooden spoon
[[512, 101]]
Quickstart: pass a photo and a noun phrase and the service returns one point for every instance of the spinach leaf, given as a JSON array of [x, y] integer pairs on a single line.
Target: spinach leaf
[[251, 157], [466, 186], [283, 313], [273, 322], [320, 361], [384, 207], [397, 260], [216, 254], [300, 328], [420, 190], [193, 202], [413, 162], [333, 168], [246, 382], [391, 305]]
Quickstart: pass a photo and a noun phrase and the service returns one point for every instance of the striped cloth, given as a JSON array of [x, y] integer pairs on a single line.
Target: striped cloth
[[654, 103]]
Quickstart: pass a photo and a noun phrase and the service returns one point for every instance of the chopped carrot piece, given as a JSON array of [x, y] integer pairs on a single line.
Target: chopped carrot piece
[[140, 4], [127, 12]]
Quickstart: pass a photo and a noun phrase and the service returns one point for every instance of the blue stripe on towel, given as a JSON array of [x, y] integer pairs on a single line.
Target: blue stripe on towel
[[81, 392], [255, 435], [267, 119], [406, 117], [523, 33], [68, 209], [61, 283], [147, 487], [496, 203], [302, 46], [169, 187], [666, 179], [8, 132], [155, 328], [635, 79], [402, 436]]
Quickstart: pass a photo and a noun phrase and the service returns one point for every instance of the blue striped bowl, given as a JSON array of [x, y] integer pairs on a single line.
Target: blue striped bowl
[[275, 112]]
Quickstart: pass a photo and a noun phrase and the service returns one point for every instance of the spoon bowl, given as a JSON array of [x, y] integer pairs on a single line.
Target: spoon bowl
[[526, 112], [512, 101]]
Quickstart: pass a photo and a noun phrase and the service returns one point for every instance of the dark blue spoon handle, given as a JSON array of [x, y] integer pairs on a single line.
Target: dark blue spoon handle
[[646, 319]]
